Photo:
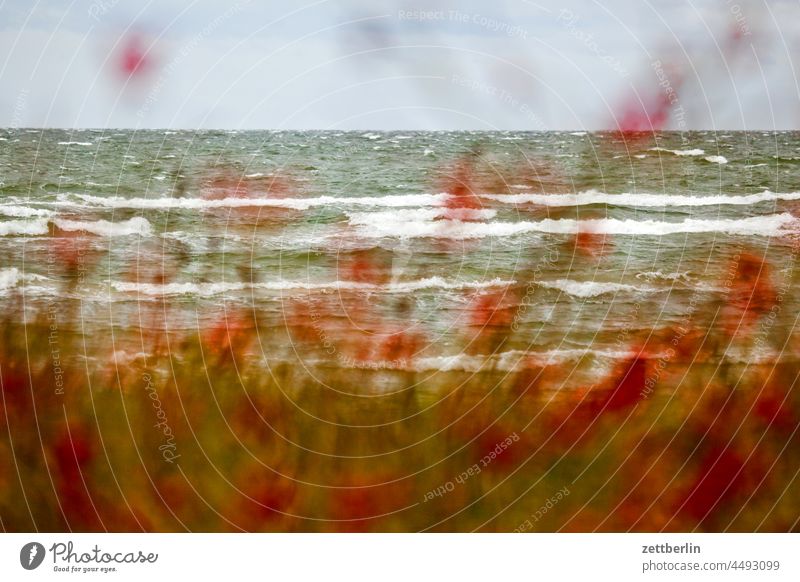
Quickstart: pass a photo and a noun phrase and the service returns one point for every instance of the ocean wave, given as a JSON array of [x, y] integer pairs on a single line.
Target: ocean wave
[[587, 289], [77, 143], [755, 356], [23, 211], [291, 203], [676, 276], [40, 226], [432, 200], [641, 200], [162, 290], [10, 278], [24, 227], [380, 227], [515, 360], [420, 214], [123, 358], [692, 152], [135, 226], [212, 289], [716, 159]]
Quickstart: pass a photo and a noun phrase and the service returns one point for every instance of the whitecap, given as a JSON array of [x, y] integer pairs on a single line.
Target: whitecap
[[123, 358], [641, 200], [421, 214], [11, 277], [24, 227], [23, 211], [774, 224], [514, 360], [692, 152], [675, 276], [291, 203], [586, 289], [135, 226], [219, 288]]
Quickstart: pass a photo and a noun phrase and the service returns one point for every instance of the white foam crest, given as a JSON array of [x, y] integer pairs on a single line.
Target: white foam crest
[[716, 159], [212, 289], [291, 203], [773, 224], [23, 211], [381, 227], [420, 214], [641, 200], [752, 356], [676, 276], [586, 289], [11, 277], [692, 152], [24, 227], [439, 283], [135, 226], [123, 358], [200, 289], [456, 363], [512, 360]]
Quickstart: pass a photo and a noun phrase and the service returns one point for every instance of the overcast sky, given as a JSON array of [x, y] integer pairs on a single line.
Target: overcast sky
[[403, 64]]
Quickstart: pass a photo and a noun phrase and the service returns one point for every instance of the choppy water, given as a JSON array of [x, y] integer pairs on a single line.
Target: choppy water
[[364, 227]]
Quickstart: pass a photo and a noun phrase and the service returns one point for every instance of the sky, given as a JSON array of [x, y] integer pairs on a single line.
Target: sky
[[400, 64]]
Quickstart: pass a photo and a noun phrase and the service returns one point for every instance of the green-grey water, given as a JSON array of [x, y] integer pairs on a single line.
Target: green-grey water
[[212, 221]]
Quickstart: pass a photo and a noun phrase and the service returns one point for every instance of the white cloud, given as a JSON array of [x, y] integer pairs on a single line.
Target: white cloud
[[510, 64]]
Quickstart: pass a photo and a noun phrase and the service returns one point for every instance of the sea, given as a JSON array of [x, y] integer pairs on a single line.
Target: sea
[[577, 244]]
